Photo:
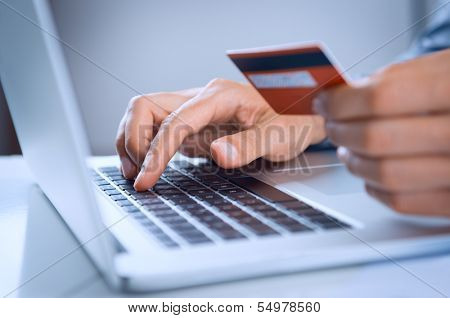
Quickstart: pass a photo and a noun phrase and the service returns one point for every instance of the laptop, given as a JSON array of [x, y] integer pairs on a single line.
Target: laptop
[[200, 224]]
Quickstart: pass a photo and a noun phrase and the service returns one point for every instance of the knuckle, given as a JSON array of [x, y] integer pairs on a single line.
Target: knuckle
[[376, 139], [178, 124], [145, 101], [369, 138], [219, 83], [137, 102], [170, 126], [131, 146], [119, 143], [376, 97], [386, 176], [383, 89], [399, 204], [167, 122]]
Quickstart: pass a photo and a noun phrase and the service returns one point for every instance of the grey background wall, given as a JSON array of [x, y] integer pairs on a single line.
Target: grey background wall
[[131, 47]]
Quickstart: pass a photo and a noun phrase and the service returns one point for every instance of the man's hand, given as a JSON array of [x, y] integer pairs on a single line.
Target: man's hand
[[394, 131], [198, 122]]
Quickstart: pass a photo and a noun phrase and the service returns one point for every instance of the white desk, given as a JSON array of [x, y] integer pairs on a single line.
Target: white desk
[[27, 246]]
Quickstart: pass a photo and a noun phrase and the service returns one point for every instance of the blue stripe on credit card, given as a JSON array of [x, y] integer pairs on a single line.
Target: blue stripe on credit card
[[280, 62]]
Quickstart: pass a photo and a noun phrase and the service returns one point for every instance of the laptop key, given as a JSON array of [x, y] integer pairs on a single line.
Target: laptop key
[[131, 209], [174, 220], [234, 192], [226, 207], [163, 187], [271, 214], [212, 179], [107, 187], [164, 239], [200, 214], [150, 201], [123, 203], [170, 243], [250, 201], [179, 178], [116, 177], [250, 222], [182, 200], [195, 237], [262, 207], [168, 191], [322, 219], [262, 189], [192, 207], [113, 173], [284, 220], [126, 187], [210, 219], [156, 206], [131, 191], [231, 235], [117, 197], [112, 192], [223, 186], [124, 182], [173, 197], [236, 213], [308, 213], [295, 205], [160, 214], [139, 216], [247, 219], [208, 196], [262, 229], [231, 173], [296, 227], [334, 225], [108, 169], [182, 227], [187, 183], [200, 192], [101, 182]]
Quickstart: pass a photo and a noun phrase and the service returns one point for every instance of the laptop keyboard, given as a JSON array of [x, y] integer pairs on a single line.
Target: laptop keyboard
[[200, 204]]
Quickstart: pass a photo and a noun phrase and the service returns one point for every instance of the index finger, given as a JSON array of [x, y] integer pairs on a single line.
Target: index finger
[[413, 87], [190, 118], [344, 103]]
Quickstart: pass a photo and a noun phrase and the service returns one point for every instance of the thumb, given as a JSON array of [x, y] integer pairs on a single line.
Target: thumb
[[278, 140], [239, 149]]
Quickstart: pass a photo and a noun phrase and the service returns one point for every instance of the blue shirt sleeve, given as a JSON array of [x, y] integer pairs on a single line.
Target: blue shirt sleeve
[[435, 36]]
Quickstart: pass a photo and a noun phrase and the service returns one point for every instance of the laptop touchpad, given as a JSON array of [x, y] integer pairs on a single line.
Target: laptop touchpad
[[331, 180]]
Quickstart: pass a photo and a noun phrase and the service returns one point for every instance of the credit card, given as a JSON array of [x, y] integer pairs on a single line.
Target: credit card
[[289, 76]]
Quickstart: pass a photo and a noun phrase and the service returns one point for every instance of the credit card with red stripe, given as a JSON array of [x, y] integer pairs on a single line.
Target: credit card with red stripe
[[289, 76]]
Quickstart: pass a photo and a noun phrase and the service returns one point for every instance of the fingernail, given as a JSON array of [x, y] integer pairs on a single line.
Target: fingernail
[[343, 153], [228, 151], [138, 179], [317, 104]]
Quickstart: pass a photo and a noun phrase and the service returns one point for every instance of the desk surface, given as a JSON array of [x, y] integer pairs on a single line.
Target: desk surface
[[75, 276]]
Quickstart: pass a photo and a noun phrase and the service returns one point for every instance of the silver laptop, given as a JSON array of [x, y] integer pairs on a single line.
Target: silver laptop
[[200, 223]]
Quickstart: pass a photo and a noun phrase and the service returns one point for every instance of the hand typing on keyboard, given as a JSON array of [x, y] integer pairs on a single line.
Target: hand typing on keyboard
[[226, 120]]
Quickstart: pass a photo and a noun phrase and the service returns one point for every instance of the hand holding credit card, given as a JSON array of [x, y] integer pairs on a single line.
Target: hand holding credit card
[[288, 77]]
